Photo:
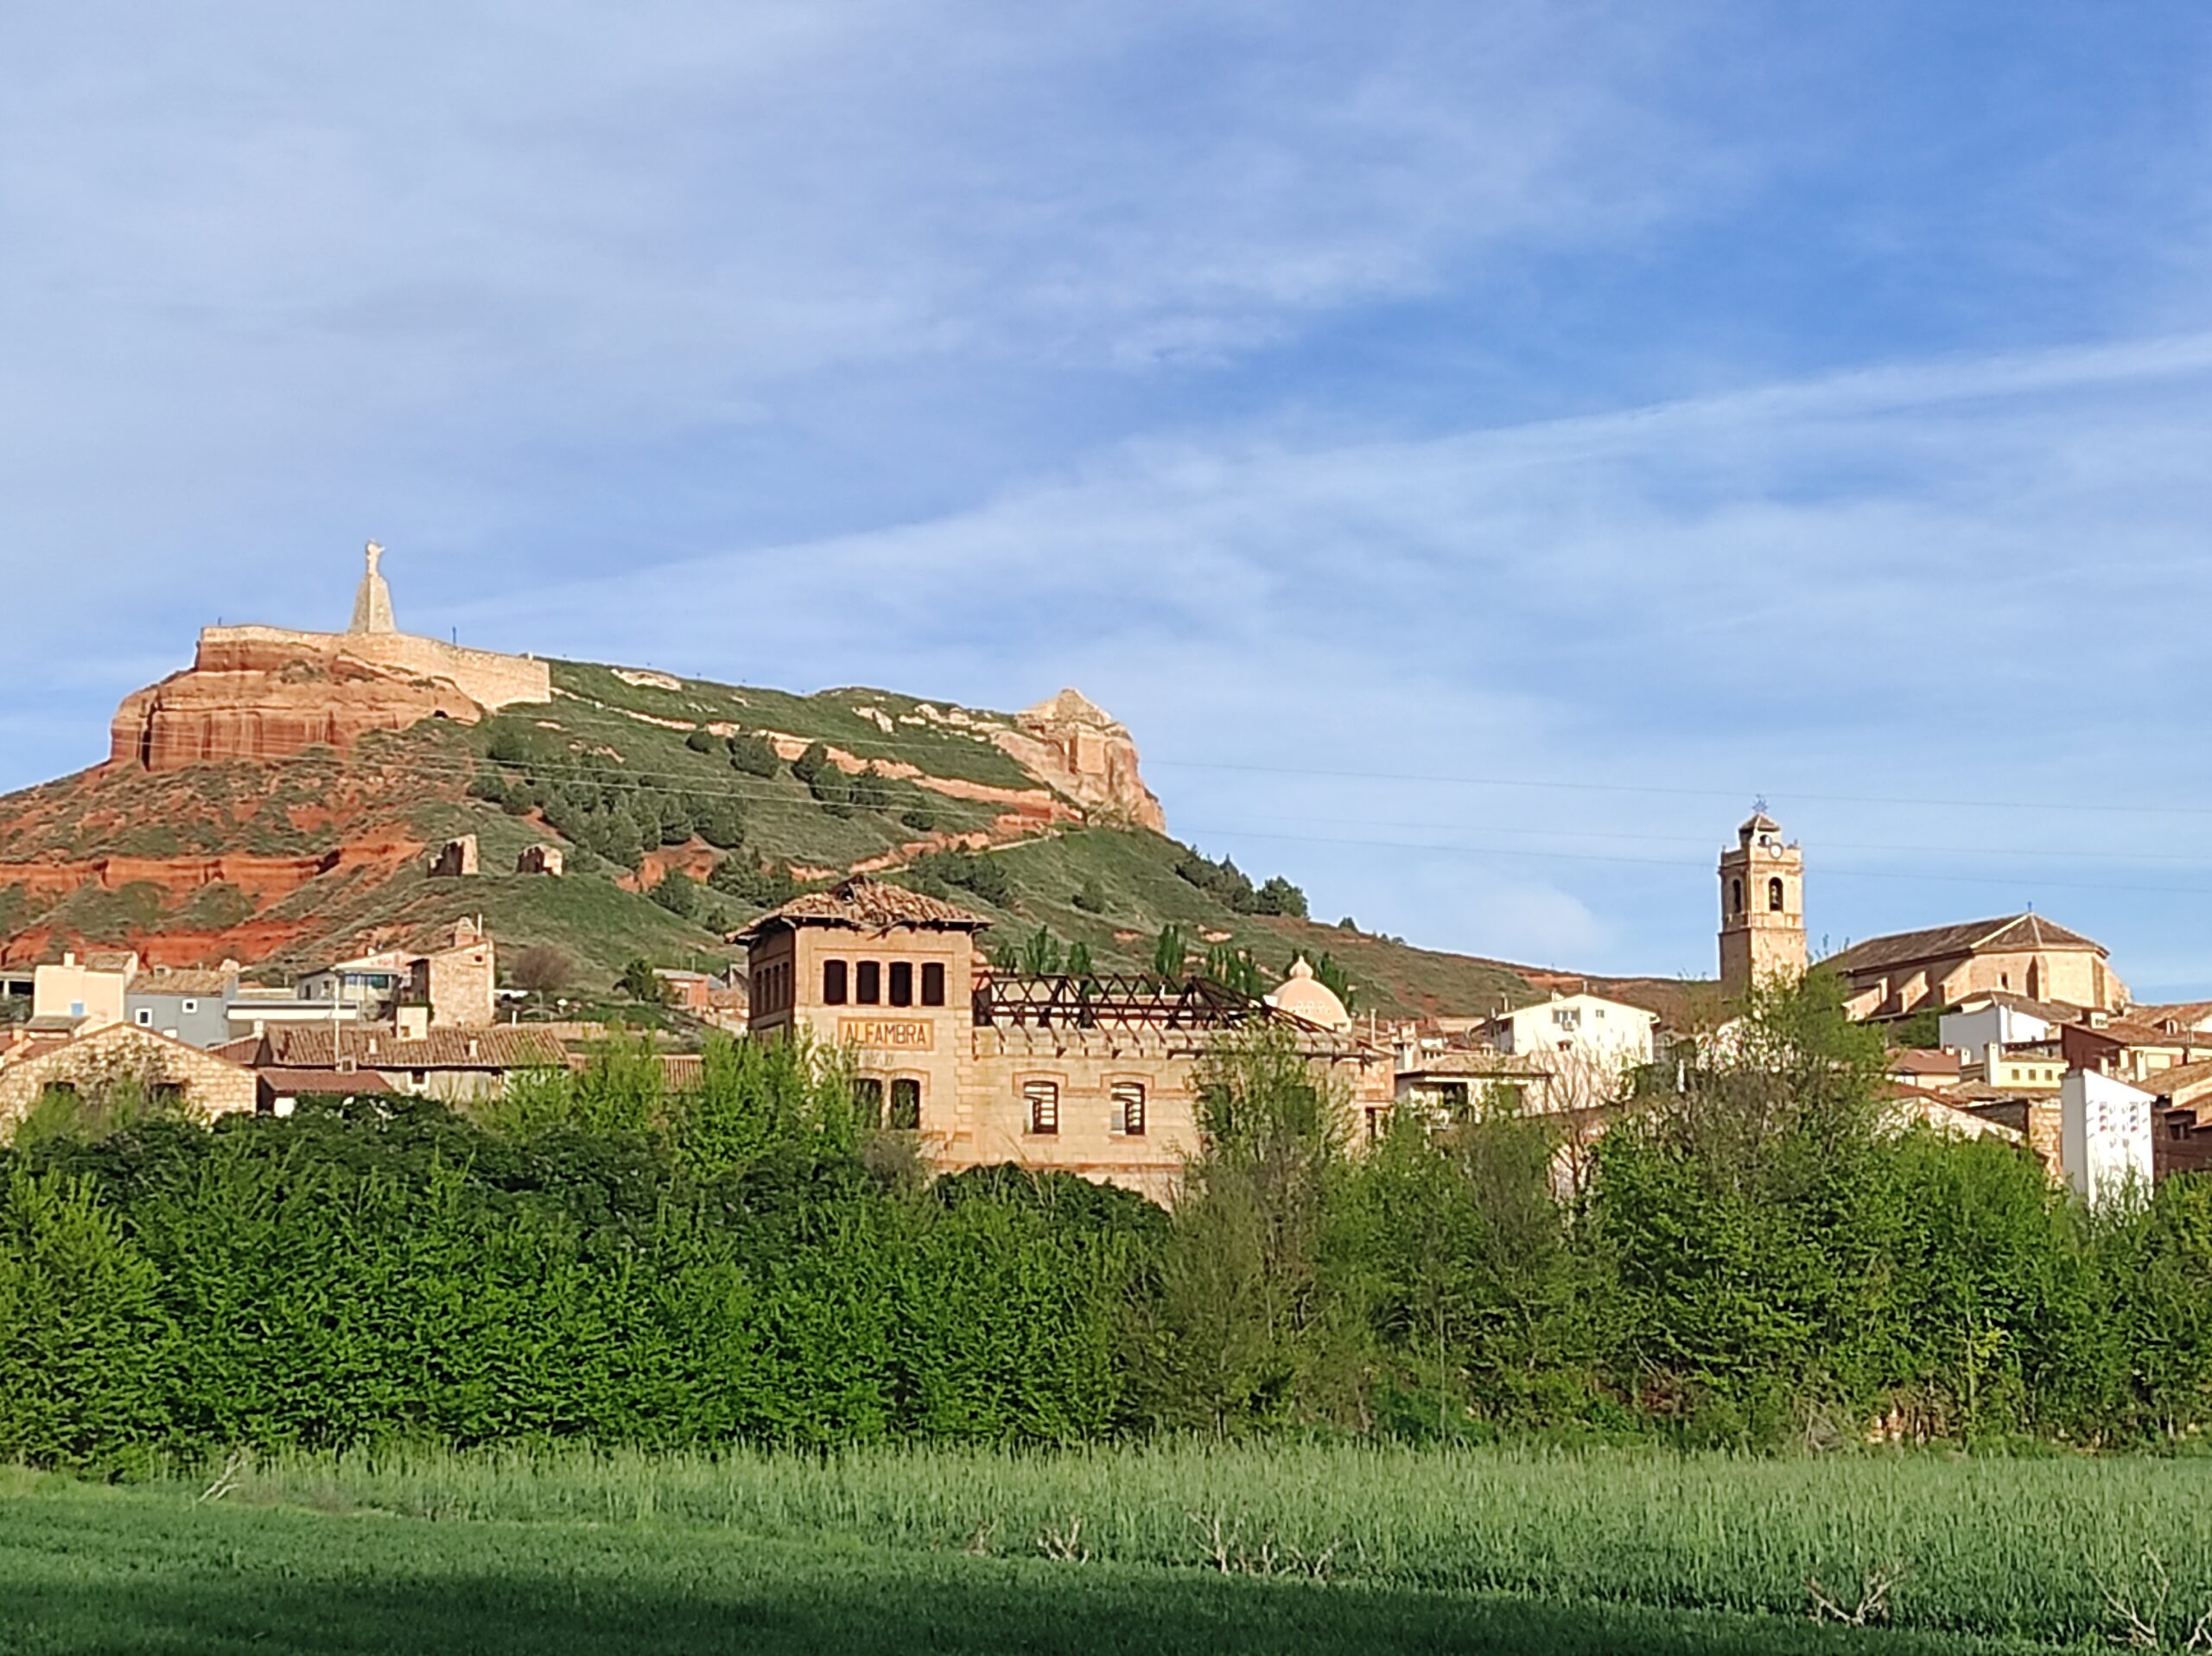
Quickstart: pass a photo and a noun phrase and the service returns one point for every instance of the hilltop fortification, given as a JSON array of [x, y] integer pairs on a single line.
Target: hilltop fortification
[[267, 692]]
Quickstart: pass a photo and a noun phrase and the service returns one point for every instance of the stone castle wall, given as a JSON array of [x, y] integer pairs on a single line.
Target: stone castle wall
[[266, 693], [487, 677]]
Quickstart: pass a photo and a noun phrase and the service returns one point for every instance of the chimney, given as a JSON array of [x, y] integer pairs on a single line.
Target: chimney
[[474, 1045], [68, 957]]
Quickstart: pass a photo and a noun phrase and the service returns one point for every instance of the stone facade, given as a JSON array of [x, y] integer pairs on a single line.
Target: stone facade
[[542, 859], [201, 1083], [1761, 907], [2018, 954], [895, 980], [458, 983], [456, 859]]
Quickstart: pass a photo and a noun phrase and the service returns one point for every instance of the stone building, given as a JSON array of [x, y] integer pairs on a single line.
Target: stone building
[[2022, 954], [122, 1055], [1761, 907], [456, 859], [454, 973], [1091, 1076]]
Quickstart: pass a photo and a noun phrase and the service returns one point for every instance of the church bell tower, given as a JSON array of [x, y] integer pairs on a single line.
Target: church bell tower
[[1762, 907]]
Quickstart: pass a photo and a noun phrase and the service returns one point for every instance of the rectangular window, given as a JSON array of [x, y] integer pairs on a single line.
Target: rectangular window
[[833, 982], [932, 982], [1043, 1098], [1128, 1108], [906, 1104], [868, 1100], [1377, 1122], [191, 1007], [145, 1018], [868, 982], [902, 983]]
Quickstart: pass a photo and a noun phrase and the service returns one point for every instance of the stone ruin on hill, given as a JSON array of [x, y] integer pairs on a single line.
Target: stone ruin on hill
[[265, 692]]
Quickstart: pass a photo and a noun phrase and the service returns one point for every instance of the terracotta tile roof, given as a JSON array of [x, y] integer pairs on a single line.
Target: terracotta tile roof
[[2190, 1078], [1924, 1060], [864, 905], [2187, 1014], [183, 980], [110, 960], [1474, 1063], [2131, 1031], [505, 1045], [290, 1082], [1972, 937], [2048, 1011]]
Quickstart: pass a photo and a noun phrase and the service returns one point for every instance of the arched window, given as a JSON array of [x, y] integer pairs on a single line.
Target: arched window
[[1736, 896], [1774, 895], [833, 982]]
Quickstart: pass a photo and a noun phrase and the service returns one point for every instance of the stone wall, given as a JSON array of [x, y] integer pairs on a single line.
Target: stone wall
[[204, 1085], [487, 677]]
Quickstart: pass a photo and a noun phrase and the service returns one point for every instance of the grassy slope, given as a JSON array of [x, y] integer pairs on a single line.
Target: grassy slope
[[113, 1570], [415, 785]]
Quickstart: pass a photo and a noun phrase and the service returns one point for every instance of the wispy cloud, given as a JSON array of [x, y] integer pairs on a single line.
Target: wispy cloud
[[1651, 397]]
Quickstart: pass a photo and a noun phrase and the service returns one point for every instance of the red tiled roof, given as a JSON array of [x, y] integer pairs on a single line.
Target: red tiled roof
[[865, 904], [1972, 937], [291, 1083], [504, 1045]]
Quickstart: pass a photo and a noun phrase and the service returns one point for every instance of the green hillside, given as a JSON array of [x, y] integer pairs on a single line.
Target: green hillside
[[679, 822]]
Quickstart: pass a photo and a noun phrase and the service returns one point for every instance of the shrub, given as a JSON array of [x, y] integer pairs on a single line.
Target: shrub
[[755, 756]]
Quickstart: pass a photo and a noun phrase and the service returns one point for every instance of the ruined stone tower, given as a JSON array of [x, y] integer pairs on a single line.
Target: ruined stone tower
[[1761, 907]]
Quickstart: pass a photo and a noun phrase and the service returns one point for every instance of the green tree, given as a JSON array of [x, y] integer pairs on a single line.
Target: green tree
[[639, 983], [1279, 896], [1040, 954], [1238, 1332], [1091, 899], [1171, 954]]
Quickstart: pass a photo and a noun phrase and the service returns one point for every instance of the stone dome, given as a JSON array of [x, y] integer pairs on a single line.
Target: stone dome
[[1303, 996]]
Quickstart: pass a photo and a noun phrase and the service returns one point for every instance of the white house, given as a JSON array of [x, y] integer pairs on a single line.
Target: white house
[[2104, 1136], [1589, 1025], [1994, 1018]]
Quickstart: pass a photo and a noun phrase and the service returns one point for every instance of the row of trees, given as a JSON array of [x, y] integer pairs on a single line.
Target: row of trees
[[1752, 1256]]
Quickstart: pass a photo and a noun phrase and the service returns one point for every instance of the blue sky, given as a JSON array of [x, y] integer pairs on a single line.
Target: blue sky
[[1476, 448]]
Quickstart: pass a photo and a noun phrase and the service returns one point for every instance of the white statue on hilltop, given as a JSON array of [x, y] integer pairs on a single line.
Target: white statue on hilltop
[[373, 599]]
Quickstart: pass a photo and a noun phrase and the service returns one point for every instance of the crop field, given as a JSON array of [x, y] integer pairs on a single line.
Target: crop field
[[1321, 1547]]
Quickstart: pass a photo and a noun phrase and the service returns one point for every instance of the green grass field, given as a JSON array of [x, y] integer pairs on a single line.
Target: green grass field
[[85, 1570], [1284, 1547]]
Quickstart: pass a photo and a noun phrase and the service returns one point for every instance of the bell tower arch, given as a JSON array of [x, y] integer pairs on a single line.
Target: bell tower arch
[[1762, 907]]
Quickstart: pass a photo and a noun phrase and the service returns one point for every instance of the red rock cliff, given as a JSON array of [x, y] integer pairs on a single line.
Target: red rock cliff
[[248, 700]]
